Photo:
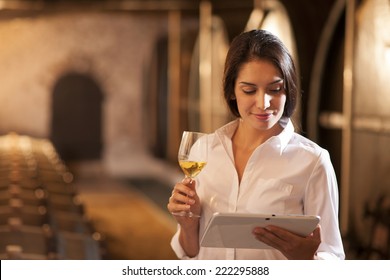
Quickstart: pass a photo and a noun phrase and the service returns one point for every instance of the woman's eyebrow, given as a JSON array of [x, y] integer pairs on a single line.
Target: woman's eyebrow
[[247, 84], [277, 82], [272, 83]]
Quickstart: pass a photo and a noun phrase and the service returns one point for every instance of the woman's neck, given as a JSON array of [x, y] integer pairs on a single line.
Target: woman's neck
[[249, 138]]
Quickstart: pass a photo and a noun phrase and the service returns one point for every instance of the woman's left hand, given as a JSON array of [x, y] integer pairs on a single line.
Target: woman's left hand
[[292, 246]]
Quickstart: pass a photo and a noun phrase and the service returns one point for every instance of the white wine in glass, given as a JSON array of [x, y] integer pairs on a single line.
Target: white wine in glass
[[191, 168], [192, 158]]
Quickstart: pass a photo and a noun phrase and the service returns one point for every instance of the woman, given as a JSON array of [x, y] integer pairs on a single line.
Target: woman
[[258, 164]]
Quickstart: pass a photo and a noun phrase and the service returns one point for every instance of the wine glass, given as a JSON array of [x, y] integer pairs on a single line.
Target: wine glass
[[192, 158]]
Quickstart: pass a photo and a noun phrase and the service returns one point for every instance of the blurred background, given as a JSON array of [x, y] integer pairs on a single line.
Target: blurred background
[[94, 96]]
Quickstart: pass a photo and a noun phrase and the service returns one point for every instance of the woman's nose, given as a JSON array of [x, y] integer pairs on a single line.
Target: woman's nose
[[263, 100]]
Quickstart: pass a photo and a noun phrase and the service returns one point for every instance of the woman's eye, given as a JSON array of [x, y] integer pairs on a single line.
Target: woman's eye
[[248, 90], [275, 90]]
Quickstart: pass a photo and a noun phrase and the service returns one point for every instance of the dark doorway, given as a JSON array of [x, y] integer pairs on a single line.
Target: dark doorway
[[77, 118], [157, 99]]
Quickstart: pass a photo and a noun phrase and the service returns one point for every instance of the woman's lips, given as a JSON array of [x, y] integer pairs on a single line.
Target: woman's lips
[[263, 117]]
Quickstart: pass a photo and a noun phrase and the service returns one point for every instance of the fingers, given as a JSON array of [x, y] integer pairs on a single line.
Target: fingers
[[185, 188], [178, 207], [182, 197], [278, 233], [271, 237], [291, 245]]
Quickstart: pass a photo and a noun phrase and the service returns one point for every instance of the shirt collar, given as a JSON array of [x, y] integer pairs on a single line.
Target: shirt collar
[[225, 134], [279, 141], [286, 134]]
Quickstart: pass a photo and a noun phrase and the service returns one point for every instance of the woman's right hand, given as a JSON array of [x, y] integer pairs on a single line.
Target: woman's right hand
[[184, 198]]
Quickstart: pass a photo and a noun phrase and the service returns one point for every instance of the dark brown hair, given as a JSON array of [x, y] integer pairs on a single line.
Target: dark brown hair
[[259, 44]]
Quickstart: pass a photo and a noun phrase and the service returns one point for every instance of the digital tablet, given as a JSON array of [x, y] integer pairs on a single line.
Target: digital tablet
[[234, 230]]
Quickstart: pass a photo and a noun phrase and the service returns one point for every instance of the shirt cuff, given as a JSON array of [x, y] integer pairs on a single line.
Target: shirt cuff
[[326, 256], [178, 249]]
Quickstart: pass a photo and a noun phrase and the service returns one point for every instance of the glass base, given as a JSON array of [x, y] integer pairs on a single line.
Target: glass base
[[185, 214]]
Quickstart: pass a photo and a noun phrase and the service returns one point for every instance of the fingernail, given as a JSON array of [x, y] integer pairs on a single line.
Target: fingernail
[[192, 193]]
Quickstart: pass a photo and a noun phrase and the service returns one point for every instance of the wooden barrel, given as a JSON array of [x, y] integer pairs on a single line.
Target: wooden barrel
[[349, 112]]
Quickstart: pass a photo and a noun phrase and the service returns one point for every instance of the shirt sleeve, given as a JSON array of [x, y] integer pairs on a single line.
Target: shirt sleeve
[[176, 247], [321, 198]]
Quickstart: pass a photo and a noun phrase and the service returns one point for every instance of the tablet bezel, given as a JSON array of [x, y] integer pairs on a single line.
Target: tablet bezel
[[234, 230]]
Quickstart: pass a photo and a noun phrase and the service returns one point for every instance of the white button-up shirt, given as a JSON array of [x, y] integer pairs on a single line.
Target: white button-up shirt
[[288, 174]]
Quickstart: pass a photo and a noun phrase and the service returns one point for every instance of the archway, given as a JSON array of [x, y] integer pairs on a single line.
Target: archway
[[77, 118]]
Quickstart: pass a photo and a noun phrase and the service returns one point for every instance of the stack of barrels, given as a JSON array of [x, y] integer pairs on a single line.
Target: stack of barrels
[[41, 216]]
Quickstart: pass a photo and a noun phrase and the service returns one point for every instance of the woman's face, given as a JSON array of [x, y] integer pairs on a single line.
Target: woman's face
[[260, 94]]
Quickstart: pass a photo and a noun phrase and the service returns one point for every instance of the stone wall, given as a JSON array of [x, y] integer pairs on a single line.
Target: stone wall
[[112, 48]]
